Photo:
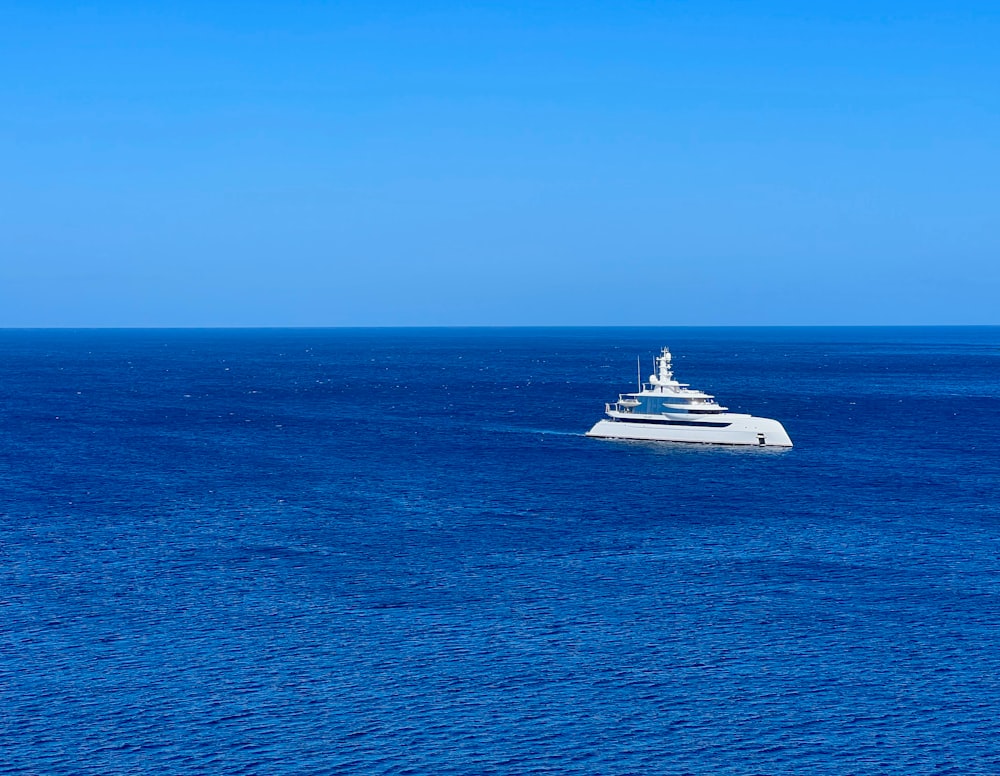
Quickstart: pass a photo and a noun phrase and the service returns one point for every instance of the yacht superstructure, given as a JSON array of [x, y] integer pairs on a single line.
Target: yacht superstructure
[[669, 411]]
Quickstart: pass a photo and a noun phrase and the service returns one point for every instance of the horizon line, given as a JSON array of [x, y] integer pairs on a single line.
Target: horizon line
[[239, 327]]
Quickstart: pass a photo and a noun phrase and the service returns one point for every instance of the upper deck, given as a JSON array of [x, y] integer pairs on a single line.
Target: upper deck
[[663, 394]]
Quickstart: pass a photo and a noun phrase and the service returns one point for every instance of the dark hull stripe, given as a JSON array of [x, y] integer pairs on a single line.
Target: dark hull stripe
[[701, 423]]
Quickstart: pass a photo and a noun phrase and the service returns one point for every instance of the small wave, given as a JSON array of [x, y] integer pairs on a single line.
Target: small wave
[[526, 430]]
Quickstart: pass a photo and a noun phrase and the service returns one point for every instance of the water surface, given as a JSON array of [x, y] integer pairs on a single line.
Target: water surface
[[393, 551]]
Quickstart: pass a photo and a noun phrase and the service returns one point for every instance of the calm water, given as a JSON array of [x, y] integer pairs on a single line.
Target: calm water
[[394, 552]]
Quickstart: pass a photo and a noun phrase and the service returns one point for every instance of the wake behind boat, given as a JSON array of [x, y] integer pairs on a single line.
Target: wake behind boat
[[665, 410]]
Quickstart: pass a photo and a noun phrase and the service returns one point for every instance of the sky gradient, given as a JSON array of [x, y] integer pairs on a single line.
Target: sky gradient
[[362, 164]]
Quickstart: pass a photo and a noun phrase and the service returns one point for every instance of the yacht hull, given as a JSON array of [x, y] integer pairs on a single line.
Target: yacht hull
[[748, 431]]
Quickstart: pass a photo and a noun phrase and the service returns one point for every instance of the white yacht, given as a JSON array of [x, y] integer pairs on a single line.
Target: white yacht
[[665, 410]]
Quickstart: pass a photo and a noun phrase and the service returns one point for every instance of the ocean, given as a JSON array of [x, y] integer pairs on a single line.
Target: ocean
[[394, 551]]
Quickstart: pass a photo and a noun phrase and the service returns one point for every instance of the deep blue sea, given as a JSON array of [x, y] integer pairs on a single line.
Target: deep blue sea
[[394, 552]]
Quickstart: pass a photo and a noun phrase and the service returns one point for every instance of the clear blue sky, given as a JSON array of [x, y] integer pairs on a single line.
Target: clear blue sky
[[424, 163]]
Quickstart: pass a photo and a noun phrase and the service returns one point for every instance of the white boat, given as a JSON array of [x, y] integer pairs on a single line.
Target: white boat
[[664, 410]]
